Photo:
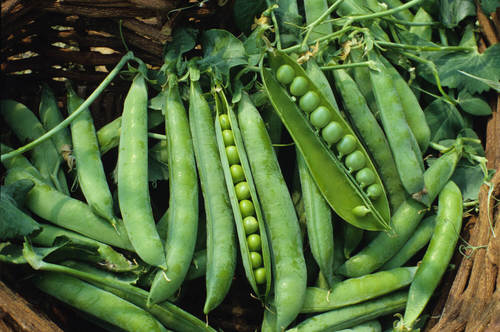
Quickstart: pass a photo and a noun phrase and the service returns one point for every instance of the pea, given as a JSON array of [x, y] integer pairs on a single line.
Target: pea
[[254, 243], [237, 173], [360, 211], [299, 86], [224, 121], [232, 155], [320, 117], [346, 145], [309, 101], [285, 74], [228, 137], [374, 191], [250, 224], [365, 177], [260, 275], [242, 190], [355, 161], [246, 208], [256, 259], [332, 132]]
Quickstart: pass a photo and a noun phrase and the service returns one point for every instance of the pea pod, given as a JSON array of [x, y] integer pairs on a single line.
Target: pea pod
[[182, 222], [341, 190], [243, 227], [313, 10], [289, 269]]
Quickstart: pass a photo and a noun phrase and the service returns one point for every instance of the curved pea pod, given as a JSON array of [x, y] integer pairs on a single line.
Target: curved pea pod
[[222, 107], [366, 209]]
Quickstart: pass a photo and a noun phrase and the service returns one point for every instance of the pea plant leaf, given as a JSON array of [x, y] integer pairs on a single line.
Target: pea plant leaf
[[221, 52], [183, 40], [489, 6], [469, 179], [245, 11], [473, 105], [453, 12], [444, 120], [449, 66], [495, 85]]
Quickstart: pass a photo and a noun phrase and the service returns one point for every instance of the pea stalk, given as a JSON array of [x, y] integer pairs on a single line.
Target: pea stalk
[[319, 20], [127, 57], [425, 48], [349, 65]]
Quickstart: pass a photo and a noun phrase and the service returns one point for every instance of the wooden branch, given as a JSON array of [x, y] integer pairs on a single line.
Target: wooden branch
[[146, 30], [98, 12]]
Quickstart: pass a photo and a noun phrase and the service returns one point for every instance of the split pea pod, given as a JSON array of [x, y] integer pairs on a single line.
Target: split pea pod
[[97, 302], [354, 315], [357, 290], [437, 256], [89, 167], [328, 144], [404, 221], [182, 217], [27, 127], [407, 154], [289, 269], [372, 134], [133, 190], [250, 226], [318, 222]]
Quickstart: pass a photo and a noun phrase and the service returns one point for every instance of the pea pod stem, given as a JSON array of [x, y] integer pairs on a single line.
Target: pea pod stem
[[127, 57], [424, 48], [348, 65], [388, 12], [319, 20], [331, 36]]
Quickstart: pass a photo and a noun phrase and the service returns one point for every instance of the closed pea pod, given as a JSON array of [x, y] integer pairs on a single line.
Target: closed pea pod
[[437, 256], [133, 190], [182, 222], [289, 268], [89, 167]]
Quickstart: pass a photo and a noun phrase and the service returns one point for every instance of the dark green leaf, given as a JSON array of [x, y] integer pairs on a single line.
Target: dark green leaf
[[473, 105], [444, 120], [495, 85], [469, 179], [454, 11], [245, 11], [221, 52], [183, 40], [158, 170], [18, 190], [489, 6], [255, 46], [472, 147]]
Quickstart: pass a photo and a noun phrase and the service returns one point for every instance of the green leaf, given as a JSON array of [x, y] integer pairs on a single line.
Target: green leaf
[[471, 147], [469, 179], [245, 11], [450, 65], [255, 46], [473, 105], [221, 52], [492, 84], [183, 40], [489, 6], [453, 12], [444, 120], [158, 170]]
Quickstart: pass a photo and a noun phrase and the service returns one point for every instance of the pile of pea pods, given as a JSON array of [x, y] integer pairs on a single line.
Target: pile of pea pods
[[307, 167]]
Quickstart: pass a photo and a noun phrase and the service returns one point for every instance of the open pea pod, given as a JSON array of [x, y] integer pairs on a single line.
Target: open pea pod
[[337, 160], [237, 173]]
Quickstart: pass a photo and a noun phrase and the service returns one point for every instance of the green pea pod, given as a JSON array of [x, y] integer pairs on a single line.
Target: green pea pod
[[313, 70], [133, 189], [182, 222], [404, 221], [318, 222], [89, 167], [314, 9], [243, 231], [357, 290], [352, 239], [438, 254], [361, 76], [289, 269], [354, 315], [340, 189], [370, 326], [371, 133], [404, 147], [27, 127]]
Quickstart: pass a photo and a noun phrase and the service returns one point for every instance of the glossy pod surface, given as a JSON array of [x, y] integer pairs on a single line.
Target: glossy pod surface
[[340, 188]]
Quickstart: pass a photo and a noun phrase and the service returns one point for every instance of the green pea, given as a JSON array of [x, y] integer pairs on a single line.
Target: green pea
[[355, 161], [365, 177], [346, 145], [228, 137], [320, 117], [237, 173], [232, 155], [309, 101], [254, 243], [332, 133], [246, 208], [374, 191], [285, 74], [299, 86], [256, 259], [224, 121], [250, 224], [260, 275], [360, 211], [242, 190]]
